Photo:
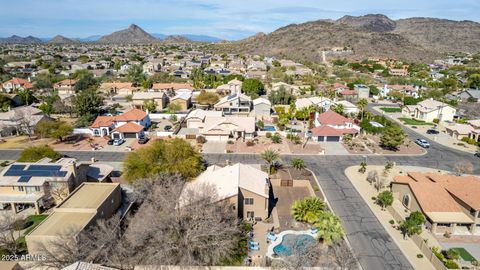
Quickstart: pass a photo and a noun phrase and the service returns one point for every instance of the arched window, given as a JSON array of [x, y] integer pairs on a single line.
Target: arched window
[[406, 200]]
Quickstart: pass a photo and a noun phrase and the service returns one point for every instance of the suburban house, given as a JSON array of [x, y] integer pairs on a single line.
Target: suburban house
[[245, 187], [331, 127], [232, 86], [262, 107], [459, 131], [160, 98], [183, 99], [292, 89], [80, 210], [348, 107], [430, 109], [470, 95], [234, 103], [319, 102], [196, 118], [407, 90], [20, 120], [16, 84], [171, 86], [362, 90], [224, 128], [475, 133], [130, 124], [118, 88], [65, 87], [449, 203], [398, 72], [45, 183]]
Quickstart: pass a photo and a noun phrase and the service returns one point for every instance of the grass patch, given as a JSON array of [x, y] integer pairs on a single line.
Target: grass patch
[[36, 219], [414, 122], [391, 110], [464, 254]]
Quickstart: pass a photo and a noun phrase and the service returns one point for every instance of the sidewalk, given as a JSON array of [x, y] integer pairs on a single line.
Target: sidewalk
[[408, 247]]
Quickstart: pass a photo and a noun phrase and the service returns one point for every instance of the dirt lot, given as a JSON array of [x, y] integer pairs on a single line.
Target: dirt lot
[[263, 143], [22, 142]]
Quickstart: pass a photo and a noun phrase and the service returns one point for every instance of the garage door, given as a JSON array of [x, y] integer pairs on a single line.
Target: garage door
[[320, 138], [130, 135], [333, 138]]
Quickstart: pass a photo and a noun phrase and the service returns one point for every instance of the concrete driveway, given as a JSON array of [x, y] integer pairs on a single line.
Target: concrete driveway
[[334, 148], [214, 147]]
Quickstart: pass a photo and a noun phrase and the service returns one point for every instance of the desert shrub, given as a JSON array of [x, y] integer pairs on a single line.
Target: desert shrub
[[268, 135], [201, 139], [250, 143]]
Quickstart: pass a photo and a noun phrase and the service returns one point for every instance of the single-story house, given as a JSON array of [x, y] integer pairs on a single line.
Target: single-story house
[[449, 203], [331, 127], [459, 131], [262, 107], [430, 109], [118, 88], [196, 118], [224, 128], [247, 189], [320, 102], [183, 99]]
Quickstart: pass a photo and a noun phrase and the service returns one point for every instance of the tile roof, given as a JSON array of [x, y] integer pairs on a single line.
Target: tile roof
[[325, 130], [129, 127], [131, 115], [102, 121], [332, 118], [24, 83], [174, 86]]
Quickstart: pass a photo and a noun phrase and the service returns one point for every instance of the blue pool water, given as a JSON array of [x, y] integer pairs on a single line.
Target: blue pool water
[[294, 243], [269, 128]]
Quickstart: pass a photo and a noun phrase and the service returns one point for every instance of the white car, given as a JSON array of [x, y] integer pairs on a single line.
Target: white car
[[118, 142], [423, 143]]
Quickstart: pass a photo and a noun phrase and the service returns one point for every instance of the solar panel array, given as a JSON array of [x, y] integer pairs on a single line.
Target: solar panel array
[[34, 171]]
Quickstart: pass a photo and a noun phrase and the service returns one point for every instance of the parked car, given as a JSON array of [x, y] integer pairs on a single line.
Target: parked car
[[432, 131], [118, 142], [110, 142], [142, 140], [477, 154], [167, 127], [423, 143]]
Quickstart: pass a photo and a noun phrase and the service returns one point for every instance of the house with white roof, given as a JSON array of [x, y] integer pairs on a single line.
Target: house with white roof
[[235, 103], [348, 107], [262, 107], [321, 102], [245, 187], [430, 109]]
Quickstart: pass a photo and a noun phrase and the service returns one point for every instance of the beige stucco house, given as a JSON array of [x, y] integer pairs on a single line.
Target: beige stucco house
[[246, 187], [430, 109], [139, 99], [449, 203]]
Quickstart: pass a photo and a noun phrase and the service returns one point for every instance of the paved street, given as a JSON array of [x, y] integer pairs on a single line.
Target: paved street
[[370, 241]]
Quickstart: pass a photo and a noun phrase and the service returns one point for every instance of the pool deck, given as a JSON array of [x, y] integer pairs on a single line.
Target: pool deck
[[279, 239]]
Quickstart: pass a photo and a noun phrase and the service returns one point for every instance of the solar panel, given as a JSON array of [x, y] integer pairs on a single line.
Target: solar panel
[[17, 167], [44, 167], [24, 178], [36, 171]]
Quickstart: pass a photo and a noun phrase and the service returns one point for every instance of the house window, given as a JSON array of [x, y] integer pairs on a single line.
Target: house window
[[250, 215], [248, 201], [406, 201], [20, 189], [37, 189]]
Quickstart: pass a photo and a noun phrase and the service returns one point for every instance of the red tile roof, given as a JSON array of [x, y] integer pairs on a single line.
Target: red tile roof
[[332, 118], [131, 115], [348, 92], [174, 86], [102, 121], [24, 83], [330, 131], [129, 127]]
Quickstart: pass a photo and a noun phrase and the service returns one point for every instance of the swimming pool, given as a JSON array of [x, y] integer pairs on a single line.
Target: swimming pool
[[269, 128], [293, 243]]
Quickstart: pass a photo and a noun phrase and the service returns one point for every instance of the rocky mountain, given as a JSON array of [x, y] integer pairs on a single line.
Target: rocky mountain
[[21, 40], [62, 40], [132, 35], [89, 38], [189, 37], [414, 39]]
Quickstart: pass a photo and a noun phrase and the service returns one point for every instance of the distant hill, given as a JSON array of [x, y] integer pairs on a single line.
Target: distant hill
[[62, 40], [132, 35], [190, 37], [21, 40], [89, 39], [375, 35]]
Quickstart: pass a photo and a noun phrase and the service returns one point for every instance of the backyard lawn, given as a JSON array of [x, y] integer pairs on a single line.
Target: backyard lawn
[[32, 222], [391, 110], [414, 122], [464, 254]]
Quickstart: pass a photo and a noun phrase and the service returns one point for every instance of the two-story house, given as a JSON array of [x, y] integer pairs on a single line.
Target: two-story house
[[65, 87], [245, 187], [130, 124], [331, 127], [235, 103], [160, 99], [16, 84], [430, 109]]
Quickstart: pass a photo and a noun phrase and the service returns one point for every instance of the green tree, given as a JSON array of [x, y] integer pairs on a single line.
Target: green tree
[[27, 96], [35, 153], [270, 156], [330, 229], [174, 107], [150, 105], [385, 198], [252, 87], [338, 108], [393, 136], [53, 129], [135, 75], [5, 102], [363, 167], [87, 102], [281, 96], [207, 98], [474, 81], [374, 90], [260, 124], [85, 81], [308, 210], [170, 157], [297, 163], [62, 130], [362, 104], [412, 224]]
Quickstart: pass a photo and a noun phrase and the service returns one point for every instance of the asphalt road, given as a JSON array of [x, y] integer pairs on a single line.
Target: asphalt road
[[371, 243]]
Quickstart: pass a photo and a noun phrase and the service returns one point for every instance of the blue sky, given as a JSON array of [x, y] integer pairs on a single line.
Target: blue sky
[[221, 18]]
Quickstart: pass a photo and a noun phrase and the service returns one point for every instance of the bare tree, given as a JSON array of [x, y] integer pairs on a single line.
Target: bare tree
[[372, 177], [343, 256], [10, 231], [463, 166], [381, 182]]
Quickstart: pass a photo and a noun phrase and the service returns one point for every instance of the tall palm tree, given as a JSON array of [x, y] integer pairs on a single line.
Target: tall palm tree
[[297, 163], [361, 104], [270, 156], [330, 229]]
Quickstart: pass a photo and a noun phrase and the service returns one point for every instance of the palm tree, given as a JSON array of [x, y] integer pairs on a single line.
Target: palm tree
[[361, 104], [338, 108], [297, 163], [330, 229], [308, 209], [270, 156]]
